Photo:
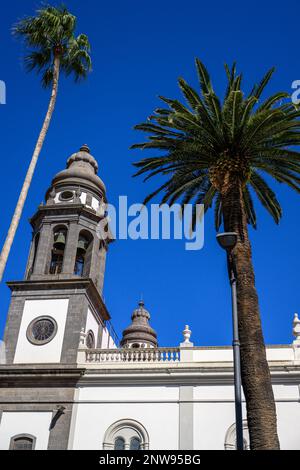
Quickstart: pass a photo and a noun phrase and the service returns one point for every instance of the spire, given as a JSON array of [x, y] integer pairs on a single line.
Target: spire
[[139, 333]]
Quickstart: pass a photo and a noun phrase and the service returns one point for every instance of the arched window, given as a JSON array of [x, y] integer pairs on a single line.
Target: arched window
[[119, 443], [135, 443], [22, 442], [58, 249], [132, 434], [83, 254], [90, 340], [230, 438]]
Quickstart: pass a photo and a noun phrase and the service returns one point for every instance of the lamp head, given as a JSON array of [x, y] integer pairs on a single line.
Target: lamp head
[[227, 240]]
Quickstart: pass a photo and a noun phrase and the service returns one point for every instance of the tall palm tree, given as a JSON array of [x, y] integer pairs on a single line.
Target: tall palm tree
[[215, 152], [53, 47]]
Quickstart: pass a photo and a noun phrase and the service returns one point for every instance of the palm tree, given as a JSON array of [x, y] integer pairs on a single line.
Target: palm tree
[[53, 48], [215, 152]]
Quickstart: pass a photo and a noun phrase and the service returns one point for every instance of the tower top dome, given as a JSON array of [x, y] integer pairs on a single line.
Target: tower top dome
[[81, 171], [139, 333], [84, 155]]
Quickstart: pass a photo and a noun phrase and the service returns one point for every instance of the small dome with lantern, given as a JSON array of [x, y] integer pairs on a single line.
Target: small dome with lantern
[[79, 182], [139, 334]]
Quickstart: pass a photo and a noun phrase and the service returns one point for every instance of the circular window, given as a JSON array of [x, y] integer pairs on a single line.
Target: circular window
[[90, 340], [66, 195], [41, 330]]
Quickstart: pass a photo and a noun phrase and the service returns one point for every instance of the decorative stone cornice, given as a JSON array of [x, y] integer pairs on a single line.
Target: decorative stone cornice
[[49, 284], [39, 375]]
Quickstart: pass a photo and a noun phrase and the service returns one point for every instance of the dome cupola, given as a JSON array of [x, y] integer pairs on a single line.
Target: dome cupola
[[79, 182], [139, 334]]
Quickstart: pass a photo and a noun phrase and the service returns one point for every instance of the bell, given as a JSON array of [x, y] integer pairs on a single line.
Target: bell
[[82, 244], [59, 240]]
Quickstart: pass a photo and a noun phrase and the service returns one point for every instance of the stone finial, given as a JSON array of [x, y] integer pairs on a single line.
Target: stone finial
[[296, 329], [187, 334], [85, 148], [82, 337]]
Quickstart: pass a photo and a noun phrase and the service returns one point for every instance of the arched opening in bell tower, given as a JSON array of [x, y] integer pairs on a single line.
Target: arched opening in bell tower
[[58, 250], [83, 254]]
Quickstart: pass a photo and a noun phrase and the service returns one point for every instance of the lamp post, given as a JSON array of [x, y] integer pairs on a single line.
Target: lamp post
[[227, 241]]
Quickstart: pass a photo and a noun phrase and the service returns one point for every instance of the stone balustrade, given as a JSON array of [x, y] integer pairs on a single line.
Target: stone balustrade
[[131, 355]]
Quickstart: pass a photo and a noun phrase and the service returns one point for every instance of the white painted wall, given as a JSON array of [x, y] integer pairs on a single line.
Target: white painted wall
[[28, 353], [157, 409], [159, 419], [288, 416], [213, 415], [35, 423], [92, 324], [107, 340], [211, 422], [225, 354]]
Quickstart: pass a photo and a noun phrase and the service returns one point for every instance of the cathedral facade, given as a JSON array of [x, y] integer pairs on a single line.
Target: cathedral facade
[[65, 381]]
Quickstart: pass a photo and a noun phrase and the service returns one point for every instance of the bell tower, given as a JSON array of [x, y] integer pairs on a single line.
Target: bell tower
[[60, 300]]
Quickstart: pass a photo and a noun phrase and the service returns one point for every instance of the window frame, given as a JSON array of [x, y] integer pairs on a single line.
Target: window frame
[[120, 429], [30, 336], [20, 436], [120, 438]]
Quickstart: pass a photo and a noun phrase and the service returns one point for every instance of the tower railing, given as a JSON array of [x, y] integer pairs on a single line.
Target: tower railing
[[128, 355]]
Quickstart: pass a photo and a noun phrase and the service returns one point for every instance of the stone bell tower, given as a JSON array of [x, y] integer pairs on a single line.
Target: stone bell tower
[[60, 300]]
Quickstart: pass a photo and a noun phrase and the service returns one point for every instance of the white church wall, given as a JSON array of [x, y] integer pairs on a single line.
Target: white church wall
[[285, 391], [28, 353], [159, 419], [213, 415], [214, 392], [34, 423], [107, 340], [93, 325], [211, 422], [127, 393], [288, 419], [220, 354]]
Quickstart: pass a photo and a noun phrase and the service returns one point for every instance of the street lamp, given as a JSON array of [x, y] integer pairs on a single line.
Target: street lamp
[[227, 241]]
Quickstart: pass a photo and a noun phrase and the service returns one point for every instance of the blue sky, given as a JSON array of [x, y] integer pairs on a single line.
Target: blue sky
[[139, 50]]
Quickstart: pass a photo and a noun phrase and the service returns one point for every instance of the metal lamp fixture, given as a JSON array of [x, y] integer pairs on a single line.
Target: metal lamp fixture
[[227, 240]]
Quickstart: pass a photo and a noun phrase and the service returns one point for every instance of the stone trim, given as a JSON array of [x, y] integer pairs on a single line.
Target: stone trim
[[186, 417], [12, 327], [116, 428], [18, 436], [86, 284], [72, 429]]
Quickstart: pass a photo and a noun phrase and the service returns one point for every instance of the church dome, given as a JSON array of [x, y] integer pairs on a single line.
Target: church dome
[[139, 333], [82, 169]]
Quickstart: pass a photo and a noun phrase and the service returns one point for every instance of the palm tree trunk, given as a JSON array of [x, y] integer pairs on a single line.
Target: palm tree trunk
[[256, 379], [24, 191]]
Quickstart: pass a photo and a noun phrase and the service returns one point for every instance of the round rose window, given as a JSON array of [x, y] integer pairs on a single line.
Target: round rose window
[[41, 330]]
